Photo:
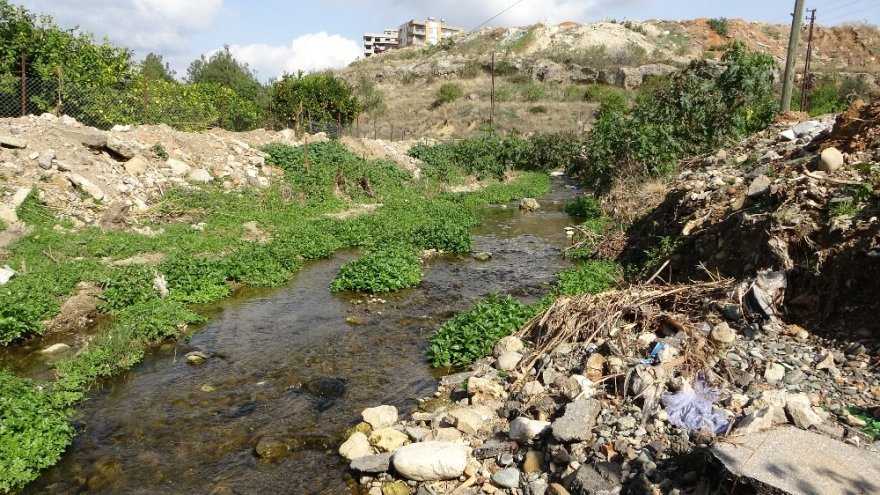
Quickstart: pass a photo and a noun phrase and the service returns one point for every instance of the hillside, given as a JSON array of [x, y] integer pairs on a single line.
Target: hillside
[[542, 72]]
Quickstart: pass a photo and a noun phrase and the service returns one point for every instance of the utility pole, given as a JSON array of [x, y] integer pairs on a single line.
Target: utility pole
[[806, 83], [492, 96], [791, 58]]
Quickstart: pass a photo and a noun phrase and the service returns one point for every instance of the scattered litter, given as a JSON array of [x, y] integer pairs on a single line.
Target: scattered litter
[[6, 274], [693, 409]]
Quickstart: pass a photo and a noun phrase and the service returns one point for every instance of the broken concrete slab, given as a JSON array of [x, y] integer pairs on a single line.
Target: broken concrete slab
[[12, 142], [798, 462]]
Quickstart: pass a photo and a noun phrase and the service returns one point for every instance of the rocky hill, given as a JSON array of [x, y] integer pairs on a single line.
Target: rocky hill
[[542, 70]]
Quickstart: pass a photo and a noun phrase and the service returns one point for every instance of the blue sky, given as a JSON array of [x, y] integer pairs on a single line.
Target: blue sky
[[274, 36]]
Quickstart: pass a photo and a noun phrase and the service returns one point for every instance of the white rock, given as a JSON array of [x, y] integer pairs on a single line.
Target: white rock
[[6, 274], [200, 175], [136, 166], [466, 420], [800, 410], [55, 349], [508, 361], [431, 461], [357, 445], [508, 344], [830, 160], [788, 135], [805, 127], [532, 388], [388, 439], [178, 168], [380, 416], [774, 373], [525, 429]]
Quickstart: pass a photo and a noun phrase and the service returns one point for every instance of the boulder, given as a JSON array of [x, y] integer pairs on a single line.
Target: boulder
[[373, 464], [431, 461], [137, 165], [830, 160], [524, 429], [508, 344], [529, 204], [357, 445], [380, 416], [121, 148], [388, 439], [576, 425], [508, 361]]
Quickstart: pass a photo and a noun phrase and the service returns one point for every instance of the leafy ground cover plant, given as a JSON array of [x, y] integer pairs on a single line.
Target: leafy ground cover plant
[[583, 206], [591, 277], [472, 335], [34, 431], [384, 270]]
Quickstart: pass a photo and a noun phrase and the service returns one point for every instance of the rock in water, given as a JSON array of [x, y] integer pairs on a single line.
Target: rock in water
[[269, 448], [388, 439], [380, 416], [830, 160], [357, 445], [327, 387], [529, 204], [431, 461]]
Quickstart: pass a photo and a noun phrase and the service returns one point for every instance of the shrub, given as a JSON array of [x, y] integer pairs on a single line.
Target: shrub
[[470, 70], [384, 270], [504, 67], [448, 93], [33, 431], [832, 93], [592, 277], [583, 206], [719, 25], [551, 151], [533, 92], [320, 97], [472, 335]]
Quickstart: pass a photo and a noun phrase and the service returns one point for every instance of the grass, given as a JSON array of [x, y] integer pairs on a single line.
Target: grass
[[205, 265]]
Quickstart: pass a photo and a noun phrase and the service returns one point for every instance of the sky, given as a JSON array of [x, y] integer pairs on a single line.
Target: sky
[[278, 36]]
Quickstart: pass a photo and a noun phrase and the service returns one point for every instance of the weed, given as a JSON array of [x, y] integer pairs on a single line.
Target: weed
[[472, 335], [846, 208], [383, 270], [470, 70], [659, 253], [719, 25], [159, 151], [448, 93], [533, 92], [505, 68], [583, 206], [591, 277]]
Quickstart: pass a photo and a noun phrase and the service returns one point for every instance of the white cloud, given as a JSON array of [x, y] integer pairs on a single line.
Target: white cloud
[[162, 26], [309, 52]]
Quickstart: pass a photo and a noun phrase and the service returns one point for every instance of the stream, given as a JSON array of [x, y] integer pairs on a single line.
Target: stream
[[295, 364]]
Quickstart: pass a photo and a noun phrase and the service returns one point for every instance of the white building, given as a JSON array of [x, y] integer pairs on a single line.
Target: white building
[[380, 42]]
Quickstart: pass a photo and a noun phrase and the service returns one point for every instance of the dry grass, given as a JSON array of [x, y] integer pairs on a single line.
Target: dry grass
[[630, 200]]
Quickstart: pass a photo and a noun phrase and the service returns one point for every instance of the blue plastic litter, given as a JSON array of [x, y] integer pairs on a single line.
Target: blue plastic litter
[[692, 409], [654, 354]]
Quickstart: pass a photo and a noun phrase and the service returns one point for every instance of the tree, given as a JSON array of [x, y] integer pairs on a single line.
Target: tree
[[153, 68], [320, 97], [223, 69]]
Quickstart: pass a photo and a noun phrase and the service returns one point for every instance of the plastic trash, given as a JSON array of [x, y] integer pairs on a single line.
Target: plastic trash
[[655, 354], [692, 409], [6, 274]]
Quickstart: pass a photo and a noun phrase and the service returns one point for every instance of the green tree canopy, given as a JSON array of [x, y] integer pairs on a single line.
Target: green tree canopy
[[319, 96], [153, 68], [223, 69]]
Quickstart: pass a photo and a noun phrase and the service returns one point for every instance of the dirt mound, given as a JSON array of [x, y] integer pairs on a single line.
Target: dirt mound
[[857, 129], [760, 207]]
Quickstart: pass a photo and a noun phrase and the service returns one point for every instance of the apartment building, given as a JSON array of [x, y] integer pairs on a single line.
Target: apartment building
[[380, 42], [426, 32]]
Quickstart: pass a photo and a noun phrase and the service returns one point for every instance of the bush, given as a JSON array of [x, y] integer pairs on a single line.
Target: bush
[[533, 92], [592, 277], [719, 25], [472, 335], [832, 93], [470, 70], [320, 97], [583, 206], [33, 431], [384, 270], [693, 111], [505, 68], [448, 93]]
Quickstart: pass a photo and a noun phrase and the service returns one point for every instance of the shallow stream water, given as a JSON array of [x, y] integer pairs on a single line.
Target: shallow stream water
[[297, 364]]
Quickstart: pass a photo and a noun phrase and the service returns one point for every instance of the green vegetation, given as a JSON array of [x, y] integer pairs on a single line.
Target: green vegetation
[[448, 93], [318, 97], [591, 277], [691, 112], [583, 206], [522, 43], [472, 335], [384, 270], [846, 208], [470, 70], [832, 93], [719, 25], [533, 92], [33, 431], [153, 68]]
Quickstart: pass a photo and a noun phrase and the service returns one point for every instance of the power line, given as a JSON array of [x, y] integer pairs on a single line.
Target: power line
[[514, 4], [844, 16], [838, 8]]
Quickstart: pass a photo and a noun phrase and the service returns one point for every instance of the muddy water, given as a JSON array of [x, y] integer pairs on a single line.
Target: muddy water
[[296, 364]]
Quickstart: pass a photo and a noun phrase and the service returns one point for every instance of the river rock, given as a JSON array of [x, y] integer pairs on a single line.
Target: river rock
[[723, 334], [601, 478], [357, 445], [466, 420], [388, 439], [507, 478], [576, 425], [529, 204], [196, 357], [484, 389], [508, 361], [431, 461], [524, 429], [136, 166], [442, 435], [270, 448], [395, 488], [830, 160], [506, 345], [373, 464], [483, 256], [380, 416]]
